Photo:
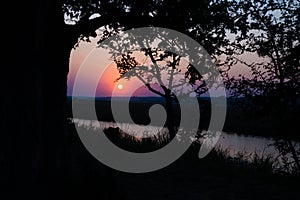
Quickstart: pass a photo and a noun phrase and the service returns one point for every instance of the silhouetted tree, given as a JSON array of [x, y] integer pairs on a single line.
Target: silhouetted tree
[[32, 113], [269, 30], [34, 150], [205, 21], [163, 73]]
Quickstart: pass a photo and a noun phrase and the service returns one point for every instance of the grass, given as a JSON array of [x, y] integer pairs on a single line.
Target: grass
[[136, 144], [259, 162], [254, 162], [217, 176]]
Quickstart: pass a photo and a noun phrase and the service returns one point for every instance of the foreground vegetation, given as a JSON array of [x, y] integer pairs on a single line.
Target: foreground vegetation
[[213, 177]]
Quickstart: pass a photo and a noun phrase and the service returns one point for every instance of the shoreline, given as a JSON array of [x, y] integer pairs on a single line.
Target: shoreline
[[237, 121]]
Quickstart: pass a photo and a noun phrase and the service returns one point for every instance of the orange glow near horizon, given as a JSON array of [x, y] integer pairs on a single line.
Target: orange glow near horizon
[[87, 55], [84, 55]]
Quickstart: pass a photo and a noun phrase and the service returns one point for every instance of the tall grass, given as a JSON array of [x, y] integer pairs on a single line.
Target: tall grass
[[256, 162], [259, 162], [136, 144]]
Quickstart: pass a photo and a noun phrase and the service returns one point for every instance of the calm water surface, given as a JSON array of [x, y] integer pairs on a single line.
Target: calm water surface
[[234, 143]]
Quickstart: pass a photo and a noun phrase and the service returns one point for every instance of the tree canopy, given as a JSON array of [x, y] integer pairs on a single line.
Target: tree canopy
[[205, 21], [270, 30]]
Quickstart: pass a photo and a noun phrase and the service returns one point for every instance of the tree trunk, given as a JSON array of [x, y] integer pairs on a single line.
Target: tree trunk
[[171, 125], [33, 108]]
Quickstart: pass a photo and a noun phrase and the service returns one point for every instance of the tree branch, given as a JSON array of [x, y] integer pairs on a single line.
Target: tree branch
[[154, 91], [149, 87], [157, 72]]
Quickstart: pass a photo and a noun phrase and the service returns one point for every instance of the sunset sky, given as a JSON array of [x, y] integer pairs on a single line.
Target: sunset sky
[[88, 55]]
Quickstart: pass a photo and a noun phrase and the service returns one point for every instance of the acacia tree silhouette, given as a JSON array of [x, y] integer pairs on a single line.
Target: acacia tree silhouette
[[165, 76], [269, 29], [35, 150], [205, 21]]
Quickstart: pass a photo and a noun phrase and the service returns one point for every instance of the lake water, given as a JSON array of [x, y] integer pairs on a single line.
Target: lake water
[[233, 143]]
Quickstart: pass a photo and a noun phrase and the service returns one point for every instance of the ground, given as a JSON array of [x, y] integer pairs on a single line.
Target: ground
[[212, 177]]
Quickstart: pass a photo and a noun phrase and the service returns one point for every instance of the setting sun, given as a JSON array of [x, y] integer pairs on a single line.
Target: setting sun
[[120, 86]]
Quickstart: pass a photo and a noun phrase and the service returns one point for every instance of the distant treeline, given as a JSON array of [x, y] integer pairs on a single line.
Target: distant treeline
[[243, 116]]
